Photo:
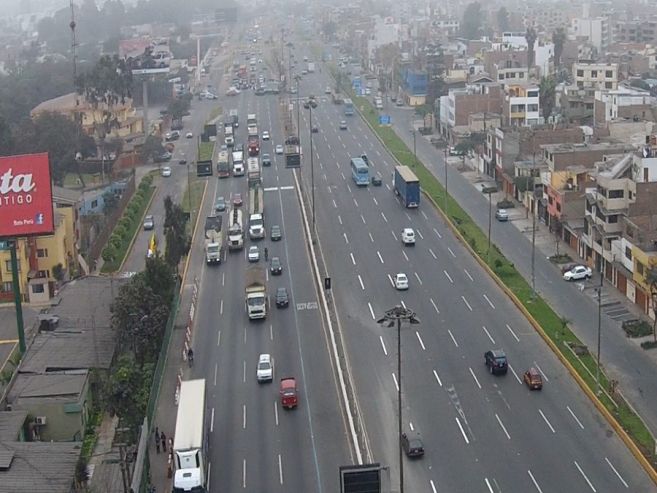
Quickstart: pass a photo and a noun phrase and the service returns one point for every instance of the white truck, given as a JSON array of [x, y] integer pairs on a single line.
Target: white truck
[[253, 171], [256, 213], [190, 442], [311, 67], [238, 163], [235, 230], [213, 244], [256, 293]]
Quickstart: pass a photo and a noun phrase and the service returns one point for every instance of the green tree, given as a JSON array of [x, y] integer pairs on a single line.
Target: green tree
[[6, 139], [531, 36], [502, 19], [179, 107], [151, 149], [471, 23], [558, 38], [177, 242], [547, 88]]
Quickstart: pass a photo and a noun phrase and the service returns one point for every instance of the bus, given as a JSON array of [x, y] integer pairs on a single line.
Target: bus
[[223, 164], [360, 172], [348, 107], [251, 120]]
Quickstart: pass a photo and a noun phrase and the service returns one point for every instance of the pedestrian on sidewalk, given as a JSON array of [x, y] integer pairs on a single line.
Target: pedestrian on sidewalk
[[163, 438], [157, 440]]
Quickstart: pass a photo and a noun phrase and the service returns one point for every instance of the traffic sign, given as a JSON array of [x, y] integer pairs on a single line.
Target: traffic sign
[[384, 120]]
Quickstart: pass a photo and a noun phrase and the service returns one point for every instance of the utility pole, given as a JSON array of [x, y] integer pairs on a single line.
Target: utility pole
[[312, 167], [445, 197], [490, 222], [597, 366], [533, 230]]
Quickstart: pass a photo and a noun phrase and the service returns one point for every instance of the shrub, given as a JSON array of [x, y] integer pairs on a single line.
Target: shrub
[[120, 231], [115, 241], [637, 328], [649, 345], [132, 209], [125, 222], [108, 253]]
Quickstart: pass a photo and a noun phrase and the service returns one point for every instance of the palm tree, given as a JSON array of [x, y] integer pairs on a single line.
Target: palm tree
[[530, 36], [558, 38]]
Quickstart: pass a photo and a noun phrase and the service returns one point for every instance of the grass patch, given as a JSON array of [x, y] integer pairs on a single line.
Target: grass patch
[[205, 151], [71, 180], [215, 112], [121, 252], [555, 327]]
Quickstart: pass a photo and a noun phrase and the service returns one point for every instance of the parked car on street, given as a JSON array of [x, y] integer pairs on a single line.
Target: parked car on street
[[502, 215], [578, 272]]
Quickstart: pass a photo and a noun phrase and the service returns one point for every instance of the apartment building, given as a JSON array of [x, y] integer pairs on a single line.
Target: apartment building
[[547, 16], [595, 75], [634, 31], [596, 30], [522, 105], [623, 103], [460, 103]]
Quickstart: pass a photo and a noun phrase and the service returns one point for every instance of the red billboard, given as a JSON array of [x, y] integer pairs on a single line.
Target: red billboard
[[25, 196]]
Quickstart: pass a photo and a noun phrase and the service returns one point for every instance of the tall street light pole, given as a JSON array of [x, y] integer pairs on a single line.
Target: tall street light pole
[[413, 131], [312, 164], [392, 316], [533, 201], [445, 166], [597, 366]]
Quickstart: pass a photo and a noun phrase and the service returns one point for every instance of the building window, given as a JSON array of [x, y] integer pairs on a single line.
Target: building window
[[580, 84], [609, 74], [612, 219], [558, 207], [639, 268], [532, 107], [580, 73], [38, 288], [609, 85], [594, 74], [94, 204], [521, 75], [616, 194], [43, 274], [7, 287], [628, 253], [42, 252], [8, 266]]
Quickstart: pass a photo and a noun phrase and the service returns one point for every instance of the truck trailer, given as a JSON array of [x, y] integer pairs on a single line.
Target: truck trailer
[[235, 230], [190, 442], [407, 186], [256, 293], [213, 245], [256, 213]]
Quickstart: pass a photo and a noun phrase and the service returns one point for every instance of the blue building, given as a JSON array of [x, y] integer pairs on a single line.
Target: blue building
[[414, 86]]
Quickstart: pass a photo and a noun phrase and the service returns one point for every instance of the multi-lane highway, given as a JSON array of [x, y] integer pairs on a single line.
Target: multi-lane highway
[[481, 433]]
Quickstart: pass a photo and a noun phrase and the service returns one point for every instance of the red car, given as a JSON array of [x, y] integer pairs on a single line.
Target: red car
[[288, 391], [237, 199]]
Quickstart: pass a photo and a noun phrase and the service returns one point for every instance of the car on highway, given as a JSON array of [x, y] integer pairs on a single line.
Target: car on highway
[[173, 135], [496, 361], [401, 281], [275, 266], [166, 171], [376, 180], [237, 199], [279, 149], [149, 222], [399, 102], [254, 254], [189, 135], [282, 298], [327, 90], [365, 158], [165, 156], [265, 371], [288, 392], [412, 444], [265, 135], [408, 236], [502, 215], [533, 379], [314, 129], [275, 233], [266, 159], [182, 161], [578, 272], [343, 125], [220, 204]]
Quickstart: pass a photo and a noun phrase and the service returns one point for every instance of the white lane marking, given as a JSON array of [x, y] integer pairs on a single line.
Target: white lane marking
[[384, 217], [418, 278], [388, 187], [218, 338], [450, 251], [466, 303], [221, 307], [489, 302], [436, 231], [280, 469], [450, 280], [419, 234], [363, 219], [465, 437], [488, 334], [542, 372], [575, 417], [538, 488], [435, 374], [490, 488], [345, 238], [452, 336], [355, 203], [243, 473], [344, 145], [371, 310], [515, 374], [475, 378], [244, 416], [340, 219], [360, 280], [353, 260], [337, 164], [585, 477], [371, 237], [425, 216], [468, 274], [244, 371], [419, 338], [271, 332], [405, 256], [380, 257], [403, 304], [433, 254], [335, 206], [512, 333], [375, 201], [212, 421], [223, 279], [617, 473], [377, 152], [276, 411], [408, 216], [343, 177], [383, 345], [503, 427], [394, 236], [546, 421], [394, 378], [433, 486], [433, 303], [209, 472]]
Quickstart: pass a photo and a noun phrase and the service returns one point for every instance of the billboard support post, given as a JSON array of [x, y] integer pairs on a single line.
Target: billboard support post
[[17, 297]]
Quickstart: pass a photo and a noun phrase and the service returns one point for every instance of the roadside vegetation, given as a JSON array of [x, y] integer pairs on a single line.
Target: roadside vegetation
[[554, 329]]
